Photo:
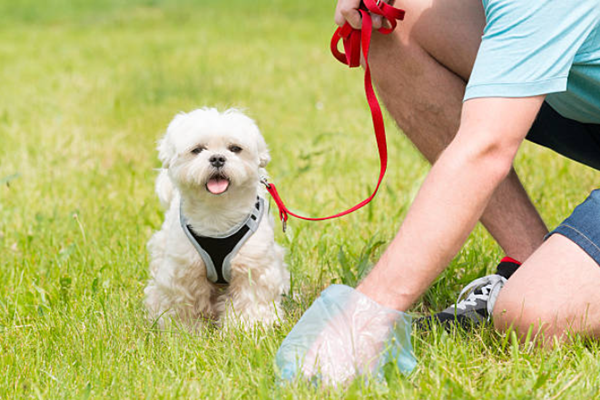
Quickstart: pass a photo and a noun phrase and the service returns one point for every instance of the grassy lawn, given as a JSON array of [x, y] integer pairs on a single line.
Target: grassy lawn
[[86, 89]]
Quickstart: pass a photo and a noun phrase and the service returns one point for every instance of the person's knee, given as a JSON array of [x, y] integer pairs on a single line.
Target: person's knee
[[515, 313], [525, 313]]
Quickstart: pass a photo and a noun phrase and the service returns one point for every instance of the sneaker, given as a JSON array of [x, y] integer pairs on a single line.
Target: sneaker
[[476, 301]]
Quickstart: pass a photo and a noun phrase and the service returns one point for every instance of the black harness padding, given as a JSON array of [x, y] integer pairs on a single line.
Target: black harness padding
[[217, 251]]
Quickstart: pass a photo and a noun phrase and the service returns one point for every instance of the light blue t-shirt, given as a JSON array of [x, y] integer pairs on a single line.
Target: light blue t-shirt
[[533, 47]]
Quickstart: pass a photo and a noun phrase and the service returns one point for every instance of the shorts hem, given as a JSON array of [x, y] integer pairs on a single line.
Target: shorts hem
[[580, 239]]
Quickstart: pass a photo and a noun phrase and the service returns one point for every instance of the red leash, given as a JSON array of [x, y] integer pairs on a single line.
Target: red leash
[[353, 40]]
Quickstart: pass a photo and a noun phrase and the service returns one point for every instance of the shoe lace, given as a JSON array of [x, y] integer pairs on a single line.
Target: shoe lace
[[489, 287]]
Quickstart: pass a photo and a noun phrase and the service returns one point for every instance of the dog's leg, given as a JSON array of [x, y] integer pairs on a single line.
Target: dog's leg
[[178, 292], [175, 303], [254, 294]]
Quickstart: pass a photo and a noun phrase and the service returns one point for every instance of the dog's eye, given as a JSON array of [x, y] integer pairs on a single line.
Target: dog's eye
[[198, 150], [235, 149]]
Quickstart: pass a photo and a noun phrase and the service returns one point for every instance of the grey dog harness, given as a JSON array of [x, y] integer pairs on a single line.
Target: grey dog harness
[[217, 251]]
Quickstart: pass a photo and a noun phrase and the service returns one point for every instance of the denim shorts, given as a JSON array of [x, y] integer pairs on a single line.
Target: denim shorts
[[579, 142]]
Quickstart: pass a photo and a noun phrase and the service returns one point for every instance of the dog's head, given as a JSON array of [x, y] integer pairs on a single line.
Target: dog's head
[[211, 153]]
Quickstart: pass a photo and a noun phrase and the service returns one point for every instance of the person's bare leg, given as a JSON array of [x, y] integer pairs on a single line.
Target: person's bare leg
[[421, 72], [565, 296]]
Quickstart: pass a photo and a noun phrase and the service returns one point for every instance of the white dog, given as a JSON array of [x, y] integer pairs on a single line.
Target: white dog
[[215, 258]]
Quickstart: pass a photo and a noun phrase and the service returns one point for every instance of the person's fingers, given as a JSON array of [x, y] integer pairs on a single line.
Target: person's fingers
[[377, 21], [339, 19], [347, 11], [352, 16]]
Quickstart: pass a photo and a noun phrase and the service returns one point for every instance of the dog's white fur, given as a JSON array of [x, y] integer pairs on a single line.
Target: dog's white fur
[[178, 287]]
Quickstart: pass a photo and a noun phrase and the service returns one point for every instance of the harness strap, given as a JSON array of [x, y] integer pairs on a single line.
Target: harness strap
[[218, 251], [353, 41]]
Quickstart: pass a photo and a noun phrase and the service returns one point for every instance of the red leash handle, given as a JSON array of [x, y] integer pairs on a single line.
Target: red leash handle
[[352, 37], [354, 40]]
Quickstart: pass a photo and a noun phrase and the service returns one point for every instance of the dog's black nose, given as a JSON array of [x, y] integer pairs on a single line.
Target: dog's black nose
[[217, 160]]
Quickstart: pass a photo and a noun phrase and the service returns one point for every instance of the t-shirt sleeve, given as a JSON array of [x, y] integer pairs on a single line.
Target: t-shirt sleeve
[[528, 46]]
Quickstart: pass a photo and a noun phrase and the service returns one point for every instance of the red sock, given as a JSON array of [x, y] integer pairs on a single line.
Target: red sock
[[507, 267], [510, 260]]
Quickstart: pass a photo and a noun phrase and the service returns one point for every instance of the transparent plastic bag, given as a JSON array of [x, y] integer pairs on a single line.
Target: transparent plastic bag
[[345, 334]]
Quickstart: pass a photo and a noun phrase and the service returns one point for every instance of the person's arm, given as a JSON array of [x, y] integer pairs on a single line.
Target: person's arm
[[345, 335], [452, 198]]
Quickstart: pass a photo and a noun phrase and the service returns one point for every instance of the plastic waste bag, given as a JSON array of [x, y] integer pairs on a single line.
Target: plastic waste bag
[[345, 334]]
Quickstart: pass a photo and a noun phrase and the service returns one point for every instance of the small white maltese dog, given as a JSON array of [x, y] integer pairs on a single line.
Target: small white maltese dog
[[215, 257]]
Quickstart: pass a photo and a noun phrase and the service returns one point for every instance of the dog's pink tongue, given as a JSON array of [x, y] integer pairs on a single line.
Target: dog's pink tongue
[[217, 185]]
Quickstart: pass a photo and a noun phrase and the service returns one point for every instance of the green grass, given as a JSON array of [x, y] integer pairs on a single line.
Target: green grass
[[86, 89]]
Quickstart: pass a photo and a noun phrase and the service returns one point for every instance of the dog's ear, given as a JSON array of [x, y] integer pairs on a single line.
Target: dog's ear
[[263, 153], [166, 149], [166, 152]]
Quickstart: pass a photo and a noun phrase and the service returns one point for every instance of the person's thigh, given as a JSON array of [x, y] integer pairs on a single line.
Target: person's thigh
[[556, 289], [449, 31], [421, 69]]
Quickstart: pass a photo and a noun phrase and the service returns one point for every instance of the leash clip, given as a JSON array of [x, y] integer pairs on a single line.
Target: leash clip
[[265, 182], [273, 192]]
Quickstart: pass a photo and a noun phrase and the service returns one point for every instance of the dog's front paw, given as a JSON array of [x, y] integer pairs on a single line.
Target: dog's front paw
[[247, 318]]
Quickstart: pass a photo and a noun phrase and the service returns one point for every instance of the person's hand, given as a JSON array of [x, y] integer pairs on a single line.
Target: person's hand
[[347, 11], [345, 334], [350, 345]]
